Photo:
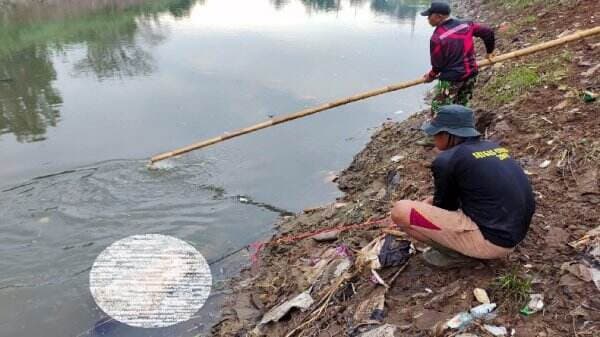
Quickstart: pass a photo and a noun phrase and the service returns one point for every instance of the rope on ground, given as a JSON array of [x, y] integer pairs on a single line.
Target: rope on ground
[[257, 247]]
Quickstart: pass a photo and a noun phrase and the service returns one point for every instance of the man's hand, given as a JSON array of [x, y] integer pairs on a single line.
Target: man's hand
[[428, 78], [490, 56]]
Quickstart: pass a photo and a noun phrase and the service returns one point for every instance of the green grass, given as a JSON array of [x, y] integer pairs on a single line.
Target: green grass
[[555, 70], [507, 87], [523, 4], [530, 19], [512, 288]]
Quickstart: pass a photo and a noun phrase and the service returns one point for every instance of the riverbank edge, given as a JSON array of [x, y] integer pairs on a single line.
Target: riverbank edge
[[536, 107]]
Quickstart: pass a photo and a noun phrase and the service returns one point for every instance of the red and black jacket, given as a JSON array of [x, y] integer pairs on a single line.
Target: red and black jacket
[[453, 51]]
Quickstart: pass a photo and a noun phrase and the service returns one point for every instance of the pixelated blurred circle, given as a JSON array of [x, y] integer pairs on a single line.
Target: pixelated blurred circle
[[150, 281]]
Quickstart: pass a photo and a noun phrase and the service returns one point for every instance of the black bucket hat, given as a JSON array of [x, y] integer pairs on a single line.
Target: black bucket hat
[[437, 7], [455, 119]]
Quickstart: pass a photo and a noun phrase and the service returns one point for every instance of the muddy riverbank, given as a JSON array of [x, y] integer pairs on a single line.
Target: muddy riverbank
[[544, 109]]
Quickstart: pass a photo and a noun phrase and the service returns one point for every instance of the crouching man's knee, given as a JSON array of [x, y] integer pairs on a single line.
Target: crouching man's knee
[[401, 213]]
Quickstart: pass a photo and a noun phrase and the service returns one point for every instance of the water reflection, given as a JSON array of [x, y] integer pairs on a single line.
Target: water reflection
[[321, 5], [114, 35], [117, 53], [115, 38], [28, 101], [402, 9], [181, 8], [278, 4]]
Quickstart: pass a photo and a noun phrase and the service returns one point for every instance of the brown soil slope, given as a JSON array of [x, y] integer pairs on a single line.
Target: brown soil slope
[[533, 106]]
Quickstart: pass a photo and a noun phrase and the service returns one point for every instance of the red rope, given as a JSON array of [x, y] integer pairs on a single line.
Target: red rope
[[258, 246]]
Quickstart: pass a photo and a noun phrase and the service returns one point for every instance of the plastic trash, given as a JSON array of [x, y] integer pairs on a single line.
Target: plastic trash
[[397, 158], [386, 330], [463, 319], [589, 96], [482, 310], [595, 276], [342, 266], [497, 331], [536, 303], [460, 321], [332, 262], [394, 252], [302, 301], [385, 252], [377, 279], [371, 309], [481, 295]]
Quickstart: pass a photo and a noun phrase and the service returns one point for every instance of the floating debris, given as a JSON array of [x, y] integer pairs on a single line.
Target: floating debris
[[163, 165]]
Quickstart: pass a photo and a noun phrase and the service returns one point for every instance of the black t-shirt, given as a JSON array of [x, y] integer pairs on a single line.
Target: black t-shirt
[[491, 188]]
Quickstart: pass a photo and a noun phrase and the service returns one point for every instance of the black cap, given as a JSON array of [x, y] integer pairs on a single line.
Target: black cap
[[437, 8], [455, 119]]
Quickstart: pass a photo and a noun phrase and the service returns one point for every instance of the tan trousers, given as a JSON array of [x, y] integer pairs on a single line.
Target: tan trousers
[[451, 229]]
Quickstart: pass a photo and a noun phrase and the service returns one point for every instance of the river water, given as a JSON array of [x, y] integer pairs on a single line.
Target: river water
[[90, 89]]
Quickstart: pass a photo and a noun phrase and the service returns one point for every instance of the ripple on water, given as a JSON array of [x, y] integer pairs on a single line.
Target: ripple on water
[[163, 165], [52, 233]]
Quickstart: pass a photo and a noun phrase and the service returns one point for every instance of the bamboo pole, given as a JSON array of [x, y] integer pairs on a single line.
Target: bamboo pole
[[403, 85]]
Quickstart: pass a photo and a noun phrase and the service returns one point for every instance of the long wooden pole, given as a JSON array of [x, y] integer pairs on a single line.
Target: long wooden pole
[[309, 111]]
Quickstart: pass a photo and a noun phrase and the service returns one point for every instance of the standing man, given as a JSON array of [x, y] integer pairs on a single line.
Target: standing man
[[453, 55]]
